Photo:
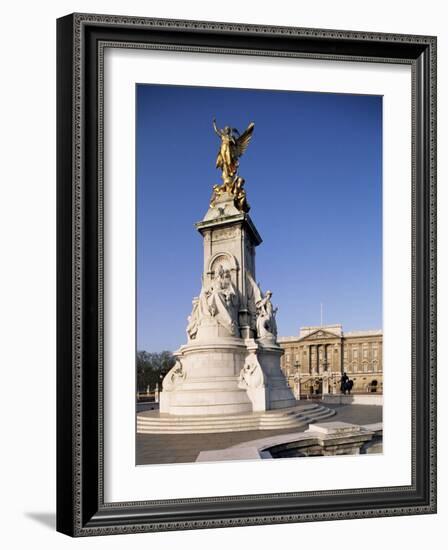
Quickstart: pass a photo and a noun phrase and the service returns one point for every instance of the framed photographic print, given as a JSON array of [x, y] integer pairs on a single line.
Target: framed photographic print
[[246, 274]]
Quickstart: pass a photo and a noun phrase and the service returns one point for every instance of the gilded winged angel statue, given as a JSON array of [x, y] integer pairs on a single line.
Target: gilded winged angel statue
[[233, 145]]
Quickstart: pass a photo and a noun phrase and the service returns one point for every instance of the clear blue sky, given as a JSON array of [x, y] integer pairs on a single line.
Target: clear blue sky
[[313, 175]]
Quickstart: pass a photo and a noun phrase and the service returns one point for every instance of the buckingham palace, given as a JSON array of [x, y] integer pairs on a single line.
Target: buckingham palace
[[316, 358]]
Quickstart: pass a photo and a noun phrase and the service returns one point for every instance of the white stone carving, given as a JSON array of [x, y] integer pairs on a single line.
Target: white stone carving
[[223, 234], [217, 304], [225, 260], [193, 320], [219, 301], [175, 377], [266, 322], [254, 296], [251, 375]]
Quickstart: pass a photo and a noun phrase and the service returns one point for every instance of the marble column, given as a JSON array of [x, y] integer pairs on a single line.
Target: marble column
[[309, 359], [297, 387], [340, 351]]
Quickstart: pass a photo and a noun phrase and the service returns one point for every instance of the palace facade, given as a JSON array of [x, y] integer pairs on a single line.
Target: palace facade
[[314, 361]]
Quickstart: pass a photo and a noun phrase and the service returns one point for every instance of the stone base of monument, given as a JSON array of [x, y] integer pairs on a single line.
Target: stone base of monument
[[279, 394], [152, 422], [225, 375], [208, 383]]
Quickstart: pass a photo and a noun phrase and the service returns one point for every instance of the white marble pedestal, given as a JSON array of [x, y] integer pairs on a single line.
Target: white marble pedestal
[[225, 376]]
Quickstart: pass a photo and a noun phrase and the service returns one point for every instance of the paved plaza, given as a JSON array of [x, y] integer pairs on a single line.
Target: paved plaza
[[178, 448]]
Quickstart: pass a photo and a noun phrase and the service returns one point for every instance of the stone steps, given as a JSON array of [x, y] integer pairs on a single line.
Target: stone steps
[[272, 415], [295, 417]]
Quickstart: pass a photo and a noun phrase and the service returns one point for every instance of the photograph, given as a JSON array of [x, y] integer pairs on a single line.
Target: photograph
[[259, 291]]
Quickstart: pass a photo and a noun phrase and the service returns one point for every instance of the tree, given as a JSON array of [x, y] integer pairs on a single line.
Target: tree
[[152, 367]]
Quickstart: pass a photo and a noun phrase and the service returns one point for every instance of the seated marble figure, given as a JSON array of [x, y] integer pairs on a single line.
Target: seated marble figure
[[218, 301]]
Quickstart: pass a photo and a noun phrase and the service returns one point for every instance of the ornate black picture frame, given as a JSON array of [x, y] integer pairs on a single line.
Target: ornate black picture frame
[[81, 509]]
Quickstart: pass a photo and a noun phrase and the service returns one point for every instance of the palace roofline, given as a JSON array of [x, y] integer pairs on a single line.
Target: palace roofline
[[352, 333], [328, 328]]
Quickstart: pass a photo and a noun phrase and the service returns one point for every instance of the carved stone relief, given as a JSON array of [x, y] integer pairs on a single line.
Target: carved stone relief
[[175, 377], [251, 375]]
